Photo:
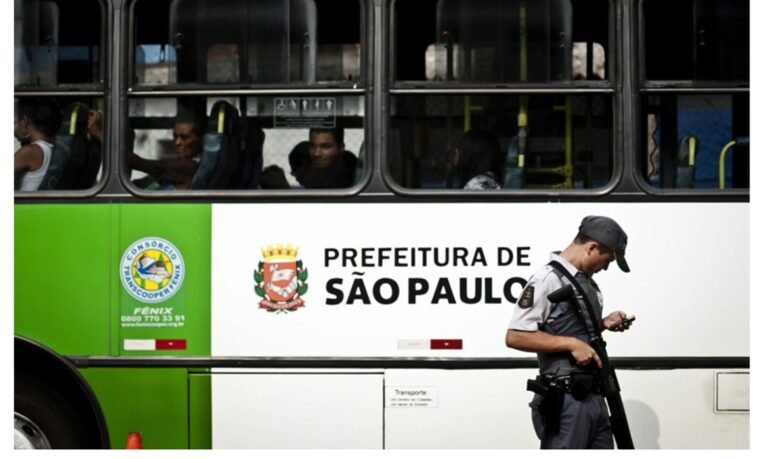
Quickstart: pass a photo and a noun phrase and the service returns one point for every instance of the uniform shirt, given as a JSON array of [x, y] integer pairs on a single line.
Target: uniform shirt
[[535, 312]]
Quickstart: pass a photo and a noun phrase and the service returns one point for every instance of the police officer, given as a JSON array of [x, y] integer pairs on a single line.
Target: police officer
[[574, 415]]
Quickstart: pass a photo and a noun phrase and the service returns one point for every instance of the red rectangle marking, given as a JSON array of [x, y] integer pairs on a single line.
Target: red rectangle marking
[[436, 344], [171, 344]]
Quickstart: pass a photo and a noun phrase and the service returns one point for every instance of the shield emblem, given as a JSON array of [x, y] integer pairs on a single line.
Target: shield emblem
[[280, 280]]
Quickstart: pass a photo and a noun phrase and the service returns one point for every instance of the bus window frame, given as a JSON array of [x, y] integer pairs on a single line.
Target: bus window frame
[[361, 88], [645, 87], [610, 87], [93, 90]]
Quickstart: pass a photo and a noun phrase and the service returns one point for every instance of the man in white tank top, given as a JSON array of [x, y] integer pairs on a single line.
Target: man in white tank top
[[35, 125]]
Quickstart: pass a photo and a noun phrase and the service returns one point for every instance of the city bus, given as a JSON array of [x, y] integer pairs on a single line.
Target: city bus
[[263, 299]]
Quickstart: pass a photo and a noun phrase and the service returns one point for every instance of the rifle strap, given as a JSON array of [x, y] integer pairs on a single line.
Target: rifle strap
[[596, 325]]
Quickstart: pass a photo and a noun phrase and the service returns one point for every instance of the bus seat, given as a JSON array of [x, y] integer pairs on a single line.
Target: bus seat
[[252, 137], [220, 149], [686, 156], [514, 168], [84, 157], [360, 164], [70, 145], [208, 161], [90, 169], [58, 163]]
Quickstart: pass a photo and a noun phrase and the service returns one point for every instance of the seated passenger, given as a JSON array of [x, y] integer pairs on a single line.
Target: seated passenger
[[478, 160], [273, 178], [35, 125], [95, 129], [173, 173], [330, 165], [300, 162]]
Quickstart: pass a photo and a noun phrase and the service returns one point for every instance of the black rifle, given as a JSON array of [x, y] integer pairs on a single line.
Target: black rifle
[[574, 294]]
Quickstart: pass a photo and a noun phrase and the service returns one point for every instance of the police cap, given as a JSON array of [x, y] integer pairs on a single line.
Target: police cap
[[608, 233]]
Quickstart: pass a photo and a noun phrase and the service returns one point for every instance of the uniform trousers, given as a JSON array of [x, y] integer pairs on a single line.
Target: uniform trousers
[[584, 424]]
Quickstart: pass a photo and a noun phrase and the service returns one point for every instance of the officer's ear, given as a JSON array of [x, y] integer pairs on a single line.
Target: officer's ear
[[592, 247]]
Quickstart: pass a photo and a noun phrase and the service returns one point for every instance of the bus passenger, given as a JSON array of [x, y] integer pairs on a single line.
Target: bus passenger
[[478, 160], [35, 126], [273, 178], [331, 165], [572, 414], [95, 125], [173, 173], [300, 162], [96, 133]]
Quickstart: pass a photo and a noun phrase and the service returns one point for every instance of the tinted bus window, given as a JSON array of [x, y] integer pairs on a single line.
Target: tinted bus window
[[70, 134], [501, 41], [501, 141], [246, 42], [250, 53], [57, 43], [245, 143], [695, 138], [696, 141], [704, 40], [58, 139]]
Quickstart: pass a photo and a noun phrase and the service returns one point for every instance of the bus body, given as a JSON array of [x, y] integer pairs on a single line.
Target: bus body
[[374, 316]]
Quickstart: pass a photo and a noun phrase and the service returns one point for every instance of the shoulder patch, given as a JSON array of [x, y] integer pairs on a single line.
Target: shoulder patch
[[526, 299]]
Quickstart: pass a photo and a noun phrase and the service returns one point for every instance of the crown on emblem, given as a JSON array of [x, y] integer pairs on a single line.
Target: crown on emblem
[[279, 252]]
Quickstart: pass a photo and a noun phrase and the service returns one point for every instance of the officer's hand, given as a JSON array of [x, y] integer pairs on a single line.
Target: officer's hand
[[583, 353], [613, 320]]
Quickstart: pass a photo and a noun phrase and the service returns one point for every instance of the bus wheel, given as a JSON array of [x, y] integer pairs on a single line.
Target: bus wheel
[[43, 418], [27, 435]]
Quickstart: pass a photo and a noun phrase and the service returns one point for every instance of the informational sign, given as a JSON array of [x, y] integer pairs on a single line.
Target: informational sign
[[412, 397], [303, 112]]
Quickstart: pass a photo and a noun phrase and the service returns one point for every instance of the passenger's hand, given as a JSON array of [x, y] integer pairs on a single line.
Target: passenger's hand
[[583, 353]]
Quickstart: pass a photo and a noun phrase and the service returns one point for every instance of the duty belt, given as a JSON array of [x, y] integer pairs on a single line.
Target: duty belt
[[577, 384]]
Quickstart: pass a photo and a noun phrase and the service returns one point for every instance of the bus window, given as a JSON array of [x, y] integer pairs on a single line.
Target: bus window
[[244, 42], [57, 43], [58, 50], [74, 135], [493, 41], [702, 40], [259, 58], [696, 141], [694, 110], [245, 143], [502, 141]]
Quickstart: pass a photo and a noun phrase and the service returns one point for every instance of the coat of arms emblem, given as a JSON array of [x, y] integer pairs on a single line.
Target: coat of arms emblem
[[281, 279]]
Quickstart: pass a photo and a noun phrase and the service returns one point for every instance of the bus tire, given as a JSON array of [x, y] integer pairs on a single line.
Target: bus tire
[[54, 407], [46, 416]]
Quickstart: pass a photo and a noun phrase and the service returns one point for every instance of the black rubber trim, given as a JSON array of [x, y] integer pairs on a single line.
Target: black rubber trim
[[621, 363]]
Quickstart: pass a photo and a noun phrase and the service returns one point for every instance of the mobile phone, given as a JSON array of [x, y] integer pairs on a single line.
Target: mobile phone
[[626, 321]]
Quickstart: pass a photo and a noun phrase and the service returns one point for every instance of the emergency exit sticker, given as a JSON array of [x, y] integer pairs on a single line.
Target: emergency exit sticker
[[411, 397], [301, 112]]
